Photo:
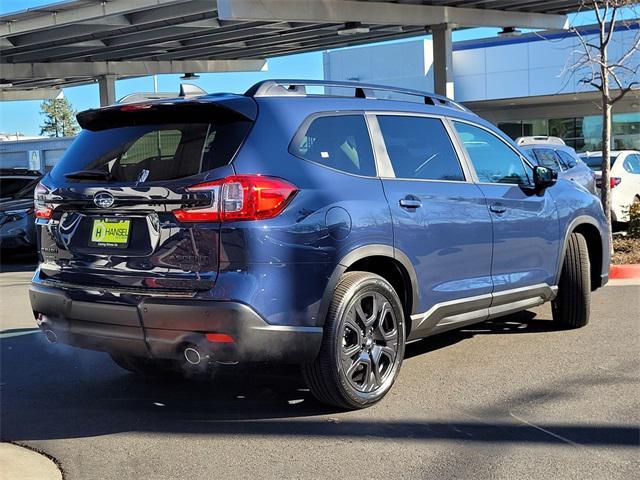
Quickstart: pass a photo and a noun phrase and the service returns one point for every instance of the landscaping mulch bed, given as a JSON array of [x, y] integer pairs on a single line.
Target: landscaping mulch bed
[[626, 250]]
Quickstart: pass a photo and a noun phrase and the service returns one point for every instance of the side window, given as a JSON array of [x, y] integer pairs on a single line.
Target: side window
[[492, 158], [567, 158], [632, 163], [341, 142], [547, 158], [419, 147]]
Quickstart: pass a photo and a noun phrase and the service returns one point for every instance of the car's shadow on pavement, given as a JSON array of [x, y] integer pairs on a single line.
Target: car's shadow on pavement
[[57, 392], [18, 260]]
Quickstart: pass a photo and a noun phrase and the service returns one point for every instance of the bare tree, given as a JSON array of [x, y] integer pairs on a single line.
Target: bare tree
[[613, 77]]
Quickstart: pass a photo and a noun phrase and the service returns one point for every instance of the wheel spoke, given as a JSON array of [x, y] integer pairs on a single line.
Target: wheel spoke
[[370, 319], [386, 329]]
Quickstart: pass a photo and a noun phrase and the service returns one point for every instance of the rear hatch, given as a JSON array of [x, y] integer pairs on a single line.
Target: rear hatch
[[107, 209]]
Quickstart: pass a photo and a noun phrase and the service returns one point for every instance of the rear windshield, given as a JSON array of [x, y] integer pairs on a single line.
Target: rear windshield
[[595, 161], [140, 153], [17, 188]]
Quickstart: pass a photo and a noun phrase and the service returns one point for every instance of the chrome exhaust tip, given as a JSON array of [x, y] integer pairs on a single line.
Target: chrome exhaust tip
[[51, 336], [192, 356]]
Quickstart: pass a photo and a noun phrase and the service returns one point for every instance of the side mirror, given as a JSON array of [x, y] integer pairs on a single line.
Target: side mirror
[[544, 177]]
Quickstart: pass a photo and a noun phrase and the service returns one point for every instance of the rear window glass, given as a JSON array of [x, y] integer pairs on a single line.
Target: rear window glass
[[151, 152], [341, 142], [17, 188], [595, 161]]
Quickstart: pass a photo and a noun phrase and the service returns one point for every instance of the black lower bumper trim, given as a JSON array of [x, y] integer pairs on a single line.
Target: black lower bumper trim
[[162, 328]]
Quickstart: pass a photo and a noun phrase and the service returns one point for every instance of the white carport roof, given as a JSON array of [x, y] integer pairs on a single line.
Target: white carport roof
[[80, 41]]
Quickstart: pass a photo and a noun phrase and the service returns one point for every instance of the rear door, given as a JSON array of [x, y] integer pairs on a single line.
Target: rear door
[[108, 205], [440, 219], [525, 222]]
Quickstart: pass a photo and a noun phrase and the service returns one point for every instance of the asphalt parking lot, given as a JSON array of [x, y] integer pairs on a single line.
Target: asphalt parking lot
[[508, 399]]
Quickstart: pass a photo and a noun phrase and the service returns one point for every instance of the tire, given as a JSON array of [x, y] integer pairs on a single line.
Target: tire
[[146, 366], [361, 353], [571, 306]]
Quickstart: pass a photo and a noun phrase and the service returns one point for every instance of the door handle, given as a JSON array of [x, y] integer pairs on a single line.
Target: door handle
[[499, 209], [410, 203]]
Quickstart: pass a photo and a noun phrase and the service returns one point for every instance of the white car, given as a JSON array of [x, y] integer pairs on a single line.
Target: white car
[[625, 179]]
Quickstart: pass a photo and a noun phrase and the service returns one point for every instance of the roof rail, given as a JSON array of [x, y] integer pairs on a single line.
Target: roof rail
[[187, 90], [297, 88]]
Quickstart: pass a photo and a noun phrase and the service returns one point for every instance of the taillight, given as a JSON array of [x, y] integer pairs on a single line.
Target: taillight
[[240, 197], [41, 210], [613, 182]]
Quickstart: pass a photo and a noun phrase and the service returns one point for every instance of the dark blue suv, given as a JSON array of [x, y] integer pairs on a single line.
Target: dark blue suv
[[313, 223]]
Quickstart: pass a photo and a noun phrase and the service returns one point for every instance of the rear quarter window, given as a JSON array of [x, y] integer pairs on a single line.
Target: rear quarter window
[[340, 142]]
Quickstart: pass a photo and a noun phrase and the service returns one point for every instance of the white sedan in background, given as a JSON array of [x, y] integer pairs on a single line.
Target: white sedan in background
[[625, 179]]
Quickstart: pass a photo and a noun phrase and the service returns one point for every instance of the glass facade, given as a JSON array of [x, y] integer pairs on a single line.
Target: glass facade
[[581, 133]]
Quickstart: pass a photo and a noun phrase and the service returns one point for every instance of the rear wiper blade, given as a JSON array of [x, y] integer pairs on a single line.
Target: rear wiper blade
[[81, 174]]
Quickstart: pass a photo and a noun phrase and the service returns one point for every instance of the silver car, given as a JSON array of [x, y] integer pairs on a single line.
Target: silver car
[[551, 152]]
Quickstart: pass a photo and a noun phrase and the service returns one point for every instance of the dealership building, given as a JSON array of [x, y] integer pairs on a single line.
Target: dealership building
[[520, 83], [523, 84]]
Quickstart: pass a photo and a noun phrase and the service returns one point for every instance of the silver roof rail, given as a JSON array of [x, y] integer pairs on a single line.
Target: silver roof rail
[[297, 88], [187, 90]]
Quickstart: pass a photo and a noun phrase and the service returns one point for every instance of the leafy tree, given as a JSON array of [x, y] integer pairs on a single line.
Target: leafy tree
[[60, 118]]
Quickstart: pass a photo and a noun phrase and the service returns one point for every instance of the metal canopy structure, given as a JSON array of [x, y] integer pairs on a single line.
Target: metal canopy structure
[[84, 41]]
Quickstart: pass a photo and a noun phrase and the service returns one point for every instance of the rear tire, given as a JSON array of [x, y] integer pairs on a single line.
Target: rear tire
[[362, 346], [571, 306]]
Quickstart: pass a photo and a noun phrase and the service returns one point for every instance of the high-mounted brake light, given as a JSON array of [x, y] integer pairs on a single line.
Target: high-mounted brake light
[[240, 197]]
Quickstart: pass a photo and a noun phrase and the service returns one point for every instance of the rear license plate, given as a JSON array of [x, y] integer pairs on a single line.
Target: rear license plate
[[110, 232]]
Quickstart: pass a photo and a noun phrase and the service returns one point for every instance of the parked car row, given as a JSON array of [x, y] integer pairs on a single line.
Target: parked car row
[[585, 169], [624, 179], [17, 220]]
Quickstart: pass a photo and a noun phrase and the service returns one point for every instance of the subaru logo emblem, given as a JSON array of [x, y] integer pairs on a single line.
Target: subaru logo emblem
[[103, 199]]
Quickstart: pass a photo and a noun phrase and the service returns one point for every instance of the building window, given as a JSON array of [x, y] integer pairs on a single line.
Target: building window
[[581, 133]]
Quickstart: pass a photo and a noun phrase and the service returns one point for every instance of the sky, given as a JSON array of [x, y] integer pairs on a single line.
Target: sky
[[24, 116]]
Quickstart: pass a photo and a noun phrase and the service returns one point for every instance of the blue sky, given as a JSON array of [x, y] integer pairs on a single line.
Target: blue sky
[[24, 116]]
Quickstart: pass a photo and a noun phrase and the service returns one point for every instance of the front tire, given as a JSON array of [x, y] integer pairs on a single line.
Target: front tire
[[363, 344], [571, 306]]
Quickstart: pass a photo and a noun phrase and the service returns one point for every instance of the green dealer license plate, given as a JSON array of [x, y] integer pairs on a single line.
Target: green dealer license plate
[[110, 232]]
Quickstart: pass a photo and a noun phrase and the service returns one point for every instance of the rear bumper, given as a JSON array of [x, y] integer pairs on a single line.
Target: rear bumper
[[158, 327]]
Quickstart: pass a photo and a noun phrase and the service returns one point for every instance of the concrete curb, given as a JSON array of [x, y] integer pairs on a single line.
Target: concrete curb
[[631, 271], [20, 463]]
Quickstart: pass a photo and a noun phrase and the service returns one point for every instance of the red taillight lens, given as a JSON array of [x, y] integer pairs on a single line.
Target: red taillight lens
[[44, 212], [613, 182], [240, 197]]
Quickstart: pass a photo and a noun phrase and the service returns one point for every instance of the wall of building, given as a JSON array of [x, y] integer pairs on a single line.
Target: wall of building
[[20, 154]]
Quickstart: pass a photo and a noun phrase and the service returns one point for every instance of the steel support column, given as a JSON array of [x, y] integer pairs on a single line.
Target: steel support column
[[442, 60], [107, 84]]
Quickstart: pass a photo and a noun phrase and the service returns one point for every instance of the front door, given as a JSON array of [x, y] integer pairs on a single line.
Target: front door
[[440, 221], [525, 222]]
